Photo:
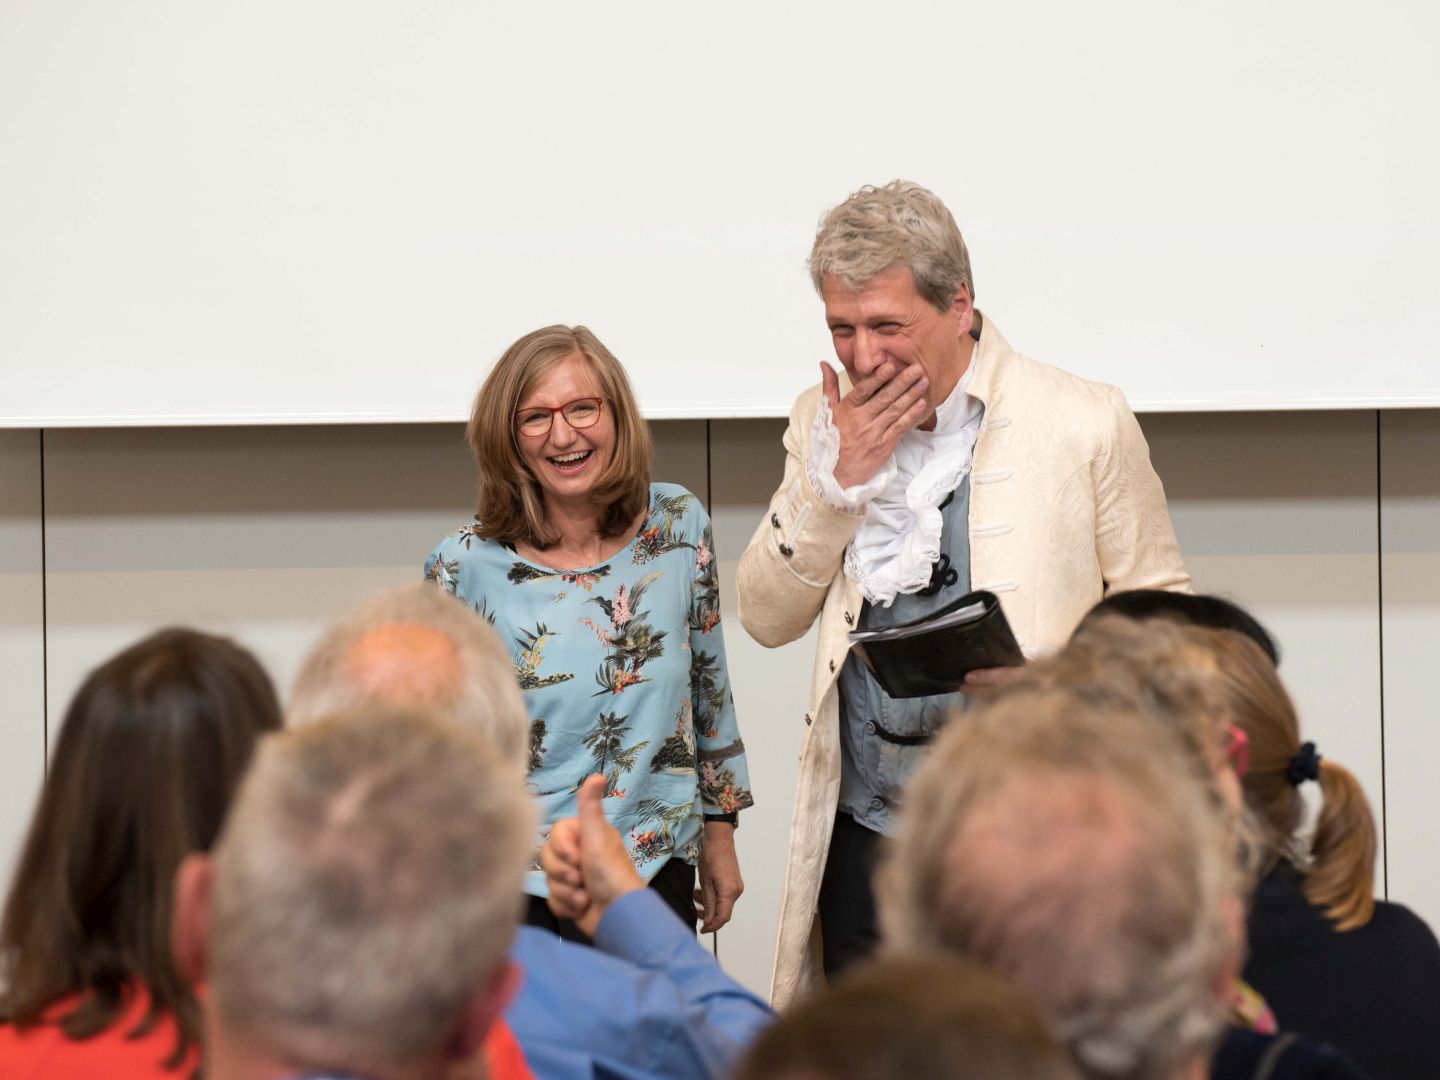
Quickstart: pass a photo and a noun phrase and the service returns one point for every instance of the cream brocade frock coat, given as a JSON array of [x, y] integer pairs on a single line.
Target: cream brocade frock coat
[[1065, 507]]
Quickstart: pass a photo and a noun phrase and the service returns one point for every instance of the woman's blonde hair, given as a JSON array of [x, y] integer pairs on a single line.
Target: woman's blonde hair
[[511, 506], [1340, 863]]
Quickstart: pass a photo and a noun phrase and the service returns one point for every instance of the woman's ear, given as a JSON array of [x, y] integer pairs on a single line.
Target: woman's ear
[[190, 919]]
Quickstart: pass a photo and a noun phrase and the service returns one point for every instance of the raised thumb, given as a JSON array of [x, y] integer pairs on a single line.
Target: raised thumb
[[589, 808]]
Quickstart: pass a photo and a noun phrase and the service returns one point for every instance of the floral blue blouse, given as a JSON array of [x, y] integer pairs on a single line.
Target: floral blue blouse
[[622, 667]]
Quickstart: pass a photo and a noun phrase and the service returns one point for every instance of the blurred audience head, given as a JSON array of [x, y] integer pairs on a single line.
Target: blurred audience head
[[415, 647], [357, 910], [1071, 845], [1167, 670], [1212, 612], [939, 1017], [149, 754], [1339, 858]]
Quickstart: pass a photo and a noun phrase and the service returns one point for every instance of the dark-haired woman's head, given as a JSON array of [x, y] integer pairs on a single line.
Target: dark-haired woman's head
[[150, 752], [1211, 612]]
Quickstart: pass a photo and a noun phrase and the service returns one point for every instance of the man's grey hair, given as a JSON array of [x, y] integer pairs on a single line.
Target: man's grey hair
[[367, 885], [415, 647], [899, 225], [1074, 849]]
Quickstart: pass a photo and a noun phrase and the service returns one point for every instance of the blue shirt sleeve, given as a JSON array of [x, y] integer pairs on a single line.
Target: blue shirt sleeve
[[647, 1002]]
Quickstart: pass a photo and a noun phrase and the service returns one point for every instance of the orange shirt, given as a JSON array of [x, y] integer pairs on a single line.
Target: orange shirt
[[44, 1052], [504, 1059]]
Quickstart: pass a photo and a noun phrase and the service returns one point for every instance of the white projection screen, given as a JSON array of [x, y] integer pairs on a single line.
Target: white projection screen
[[343, 210]]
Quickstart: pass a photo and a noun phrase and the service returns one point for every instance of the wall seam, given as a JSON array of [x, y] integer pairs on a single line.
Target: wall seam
[[44, 626], [1380, 604], [710, 509]]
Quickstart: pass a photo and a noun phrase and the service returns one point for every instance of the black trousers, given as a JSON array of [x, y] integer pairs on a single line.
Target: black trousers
[[848, 933], [675, 884]]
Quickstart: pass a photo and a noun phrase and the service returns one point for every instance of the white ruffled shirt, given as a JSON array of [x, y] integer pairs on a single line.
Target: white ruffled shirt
[[897, 544]]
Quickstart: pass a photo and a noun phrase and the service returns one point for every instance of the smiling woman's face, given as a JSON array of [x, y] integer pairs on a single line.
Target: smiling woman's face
[[567, 460]]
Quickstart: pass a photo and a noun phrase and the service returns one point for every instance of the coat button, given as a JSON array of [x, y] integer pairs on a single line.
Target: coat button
[[786, 550], [869, 727], [832, 667], [877, 803], [807, 719], [849, 619], [775, 520]]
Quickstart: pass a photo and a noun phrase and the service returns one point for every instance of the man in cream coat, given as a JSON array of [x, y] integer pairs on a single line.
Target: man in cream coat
[[941, 461]]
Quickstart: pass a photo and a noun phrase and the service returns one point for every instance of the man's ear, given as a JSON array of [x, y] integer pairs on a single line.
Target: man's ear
[[483, 1010], [962, 307], [1234, 960], [190, 918]]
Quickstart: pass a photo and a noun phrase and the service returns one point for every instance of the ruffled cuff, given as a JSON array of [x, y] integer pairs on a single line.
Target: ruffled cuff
[[824, 453]]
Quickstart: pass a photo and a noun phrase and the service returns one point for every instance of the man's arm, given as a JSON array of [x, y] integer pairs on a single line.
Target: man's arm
[[1134, 540], [796, 552], [649, 1000]]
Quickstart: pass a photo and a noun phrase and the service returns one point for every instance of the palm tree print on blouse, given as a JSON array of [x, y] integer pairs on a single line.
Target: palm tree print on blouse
[[631, 642], [528, 660], [705, 601], [611, 758], [659, 538], [537, 743], [443, 572], [653, 843], [522, 573], [677, 753], [623, 668]]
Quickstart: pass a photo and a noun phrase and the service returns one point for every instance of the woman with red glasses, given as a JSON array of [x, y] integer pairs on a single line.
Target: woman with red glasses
[[606, 584], [1334, 963]]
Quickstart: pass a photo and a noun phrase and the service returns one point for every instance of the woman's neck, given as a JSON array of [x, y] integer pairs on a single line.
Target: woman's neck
[[581, 542]]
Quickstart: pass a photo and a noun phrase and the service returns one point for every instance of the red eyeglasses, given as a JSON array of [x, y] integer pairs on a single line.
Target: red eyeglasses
[[580, 413]]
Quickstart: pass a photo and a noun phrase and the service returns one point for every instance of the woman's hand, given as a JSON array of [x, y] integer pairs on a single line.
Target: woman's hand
[[720, 883]]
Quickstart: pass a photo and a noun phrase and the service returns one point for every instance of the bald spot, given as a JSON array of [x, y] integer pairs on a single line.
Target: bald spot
[[1050, 861], [1054, 830], [405, 664]]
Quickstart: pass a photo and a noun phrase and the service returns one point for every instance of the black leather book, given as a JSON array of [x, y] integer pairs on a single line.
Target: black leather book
[[931, 655]]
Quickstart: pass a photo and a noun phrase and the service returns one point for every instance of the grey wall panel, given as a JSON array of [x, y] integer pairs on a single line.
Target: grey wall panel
[[1410, 531], [22, 640], [1277, 512], [262, 533], [770, 688]]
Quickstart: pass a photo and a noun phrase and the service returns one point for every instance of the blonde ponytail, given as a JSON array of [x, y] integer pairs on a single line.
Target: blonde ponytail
[[1339, 867], [1341, 878]]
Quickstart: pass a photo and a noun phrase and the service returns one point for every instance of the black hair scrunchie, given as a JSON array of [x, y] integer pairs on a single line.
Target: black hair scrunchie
[[1304, 765]]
